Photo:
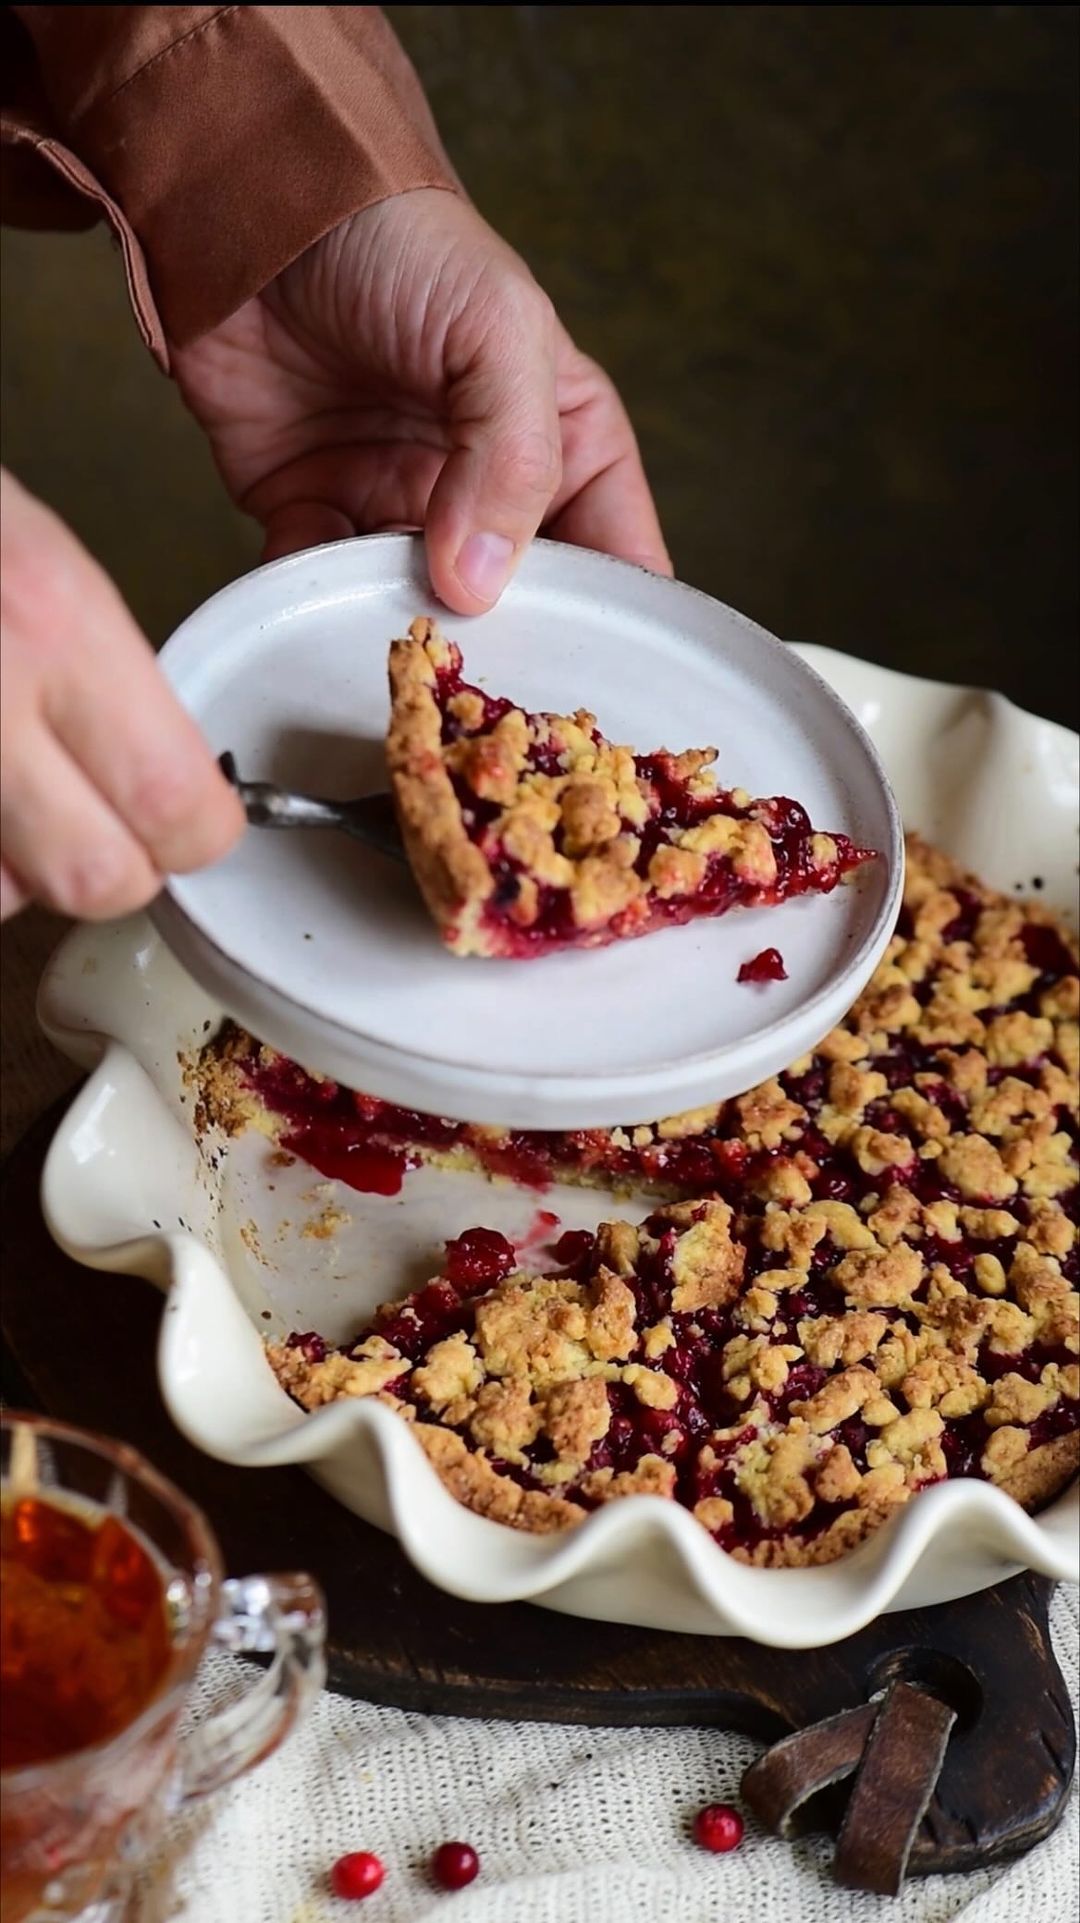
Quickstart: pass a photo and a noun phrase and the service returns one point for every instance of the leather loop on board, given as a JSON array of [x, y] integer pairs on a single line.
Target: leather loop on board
[[895, 1749], [777, 1786], [897, 1777]]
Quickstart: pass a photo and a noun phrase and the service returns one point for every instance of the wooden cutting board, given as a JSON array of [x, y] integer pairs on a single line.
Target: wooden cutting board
[[81, 1345]]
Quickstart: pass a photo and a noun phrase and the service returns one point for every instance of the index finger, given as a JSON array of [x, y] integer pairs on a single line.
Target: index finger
[[111, 707], [604, 501], [613, 512]]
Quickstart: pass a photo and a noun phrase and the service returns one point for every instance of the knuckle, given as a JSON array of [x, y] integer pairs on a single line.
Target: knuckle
[[184, 812], [102, 881], [34, 616], [164, 797], [538, 310], [51, 592], [591, 376], [210, 834], [514, 300]]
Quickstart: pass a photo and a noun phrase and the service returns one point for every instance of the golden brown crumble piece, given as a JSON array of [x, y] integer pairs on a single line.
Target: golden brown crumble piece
[[372, 1365], [837, 1480], [470, 1477], [651, 1477], [452, 1370], [707, 1265], [576, 1414], [504, 1418], [880, 1278]]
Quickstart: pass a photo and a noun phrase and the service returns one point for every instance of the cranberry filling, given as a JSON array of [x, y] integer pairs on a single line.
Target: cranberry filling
[[1055, 1422], [573, 1249], [854, 1434], [374, 1171], [834, 1185], [371, 1144], [1029, 1364], [803, 1381], [478, 1259], [329, 1124], [450, 683], [426, 1318], [962, 1445], [721, 889], [1046, 951], [962, 927], [526, 1159]]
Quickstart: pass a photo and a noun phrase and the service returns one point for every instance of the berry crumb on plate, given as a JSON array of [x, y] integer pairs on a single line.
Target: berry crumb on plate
[[766, 967]]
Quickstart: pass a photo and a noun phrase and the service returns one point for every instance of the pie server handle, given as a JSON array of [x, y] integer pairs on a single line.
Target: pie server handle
[[371, 819]]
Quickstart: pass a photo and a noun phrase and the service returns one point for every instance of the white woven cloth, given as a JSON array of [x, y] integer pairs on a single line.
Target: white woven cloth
[[572, 1825]]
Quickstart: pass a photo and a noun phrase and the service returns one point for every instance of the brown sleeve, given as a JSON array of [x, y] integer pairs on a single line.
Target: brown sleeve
[[218, 142]]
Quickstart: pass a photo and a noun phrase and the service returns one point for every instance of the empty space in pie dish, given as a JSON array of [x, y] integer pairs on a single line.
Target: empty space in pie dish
[[325, 949]]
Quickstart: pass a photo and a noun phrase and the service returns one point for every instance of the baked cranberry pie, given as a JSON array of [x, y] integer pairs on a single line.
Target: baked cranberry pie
[[868, 1282], [532, 832]]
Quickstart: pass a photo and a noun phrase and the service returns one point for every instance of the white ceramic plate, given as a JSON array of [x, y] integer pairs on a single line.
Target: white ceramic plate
[[326, 949], [126, 1188]]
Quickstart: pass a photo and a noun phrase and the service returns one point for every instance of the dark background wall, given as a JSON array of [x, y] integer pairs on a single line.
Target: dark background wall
[[828, 254]]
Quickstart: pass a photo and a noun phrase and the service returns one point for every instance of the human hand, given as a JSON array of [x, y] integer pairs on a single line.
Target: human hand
[[106, 785], [407, 371]]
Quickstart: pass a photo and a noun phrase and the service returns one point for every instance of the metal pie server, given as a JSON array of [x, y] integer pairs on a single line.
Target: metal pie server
[[371, 819]]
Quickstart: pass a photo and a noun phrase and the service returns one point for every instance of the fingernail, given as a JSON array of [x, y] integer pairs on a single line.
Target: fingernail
[[483, 565]]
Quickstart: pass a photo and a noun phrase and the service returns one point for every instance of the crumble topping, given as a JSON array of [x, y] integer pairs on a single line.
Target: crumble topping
[[880, 1278], [452, 1372], [536, 1330], [706, 1265], [866, 1280], [504, 1419]]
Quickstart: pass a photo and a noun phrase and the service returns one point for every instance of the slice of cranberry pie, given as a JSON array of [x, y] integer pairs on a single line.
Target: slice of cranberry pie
[[533, 832]]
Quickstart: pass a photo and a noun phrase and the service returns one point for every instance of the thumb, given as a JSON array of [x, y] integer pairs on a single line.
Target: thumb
[[505, 463]]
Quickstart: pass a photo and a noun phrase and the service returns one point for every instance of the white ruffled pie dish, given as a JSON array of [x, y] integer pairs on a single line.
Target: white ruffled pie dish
[[246, 1250]]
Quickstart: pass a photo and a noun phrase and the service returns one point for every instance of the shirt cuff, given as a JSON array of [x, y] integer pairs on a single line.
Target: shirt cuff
[[232, 147]]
